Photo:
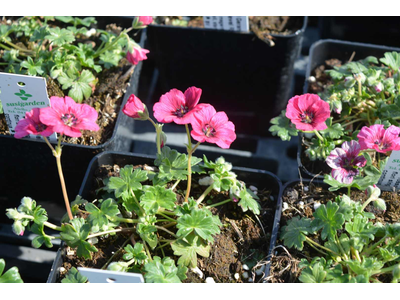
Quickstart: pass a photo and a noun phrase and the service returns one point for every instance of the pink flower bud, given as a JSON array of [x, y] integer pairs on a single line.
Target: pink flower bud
[[379, 87], [138, 54], [135, 109]]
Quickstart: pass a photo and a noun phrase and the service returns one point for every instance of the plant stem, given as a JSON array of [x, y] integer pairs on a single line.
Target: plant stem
[[125, 220], [168, 218], [219, 203], [110, 231], [47, 224], [340, 246], [348, 191], [137, 203], [166, 230], [310, 241], [158, 128], [319, 136], [115, 253], [57, 154], [354, 121], [372, 247], [205, 193], [370, 199], [189, 168], [147, 250], [175, 185]]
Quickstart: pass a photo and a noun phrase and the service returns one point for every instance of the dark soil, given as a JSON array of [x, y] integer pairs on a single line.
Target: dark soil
[[263, 27], [106, 99], [284, 263], [241, 238]]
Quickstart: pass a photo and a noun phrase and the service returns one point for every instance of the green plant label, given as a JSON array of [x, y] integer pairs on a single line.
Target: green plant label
[[230, 23], [20, 94], [390, 177]]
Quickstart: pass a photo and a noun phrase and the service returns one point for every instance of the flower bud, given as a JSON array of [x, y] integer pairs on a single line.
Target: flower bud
[[163, 138], [396, 272], [135, 109], [373, 191], [380, 204], [118, 267], [360, 77], [337, 106], [378, 87], [349, 82]]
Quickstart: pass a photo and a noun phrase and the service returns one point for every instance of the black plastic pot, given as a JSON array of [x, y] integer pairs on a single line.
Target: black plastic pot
[[320, 52], [238, 72], [28, 168], [379, 30], [259, 178]]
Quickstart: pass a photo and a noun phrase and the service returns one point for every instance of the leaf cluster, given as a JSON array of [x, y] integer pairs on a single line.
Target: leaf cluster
[[63, 48], [353, 248]]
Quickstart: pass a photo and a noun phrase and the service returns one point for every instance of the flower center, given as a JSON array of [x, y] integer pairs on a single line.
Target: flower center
[[180, 112], [40, 127], [209, 131], [306, 117], [381, 145], [69, 119]]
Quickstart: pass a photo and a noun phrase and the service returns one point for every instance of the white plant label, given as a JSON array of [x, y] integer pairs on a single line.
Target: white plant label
[[230, 23], [105, 276], [390, 177], [20, 94]]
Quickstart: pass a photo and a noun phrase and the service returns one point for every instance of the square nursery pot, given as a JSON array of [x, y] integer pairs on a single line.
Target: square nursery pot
[[320, 52], [261, 179], [28, 168], [293, 198], [378, 30], [238, 72]]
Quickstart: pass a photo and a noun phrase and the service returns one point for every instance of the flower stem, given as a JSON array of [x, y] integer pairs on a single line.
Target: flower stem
[[189, 168], [354, 121], [370, 199], [319, 136], [57, 154], [310, 241], [110, 231], [125, 220], [205, 193], [165, 216], [219, 203], [158, 128], [166, 230]]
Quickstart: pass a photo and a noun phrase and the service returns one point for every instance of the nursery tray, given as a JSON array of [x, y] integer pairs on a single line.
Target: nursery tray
[[323, 50], [255, 177]]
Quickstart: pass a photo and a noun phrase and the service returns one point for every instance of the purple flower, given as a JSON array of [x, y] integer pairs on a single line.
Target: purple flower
[[345, 161]]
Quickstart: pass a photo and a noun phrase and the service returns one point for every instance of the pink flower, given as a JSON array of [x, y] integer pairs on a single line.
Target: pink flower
[[345, 160], [135, 108], [377, 138], [213, 127], [137, 55], [31, 124], [145, 20], [178, 107], [68, 117], [308, 112]]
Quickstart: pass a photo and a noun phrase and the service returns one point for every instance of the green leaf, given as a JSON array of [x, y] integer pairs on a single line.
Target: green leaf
[[59, 36], [188, 250], [157, 197], [75, 235], [146, 229], [11, 276], [199, 222], [248, 202], [38, 241], [315, 273], [173, 165], [361, 228], [392, 59], [366, 267], [110, 59], [283, 127], [294, 233], [80, 88], [334, 131], [98, 217], [136, 253], [33, 68], [129, 179], [73, 276], [161, 271], [327, 218]]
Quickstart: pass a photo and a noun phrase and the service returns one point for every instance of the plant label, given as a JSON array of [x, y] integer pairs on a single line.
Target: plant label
[[20, 94], [230, 23], [104, 276], [390, 177]]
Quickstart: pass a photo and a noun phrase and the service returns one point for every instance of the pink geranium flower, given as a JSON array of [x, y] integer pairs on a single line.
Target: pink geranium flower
[[178, 107], [345, 162], [31, 124], [145, 20], [213, 127], [308, 112], [68, 117], [377, 138], [135, 108], [137, 54]]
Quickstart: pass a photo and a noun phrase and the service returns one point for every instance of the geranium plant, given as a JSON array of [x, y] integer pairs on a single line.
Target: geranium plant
[[67, 50], [363, 93], [167, 233], [351, 247]]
